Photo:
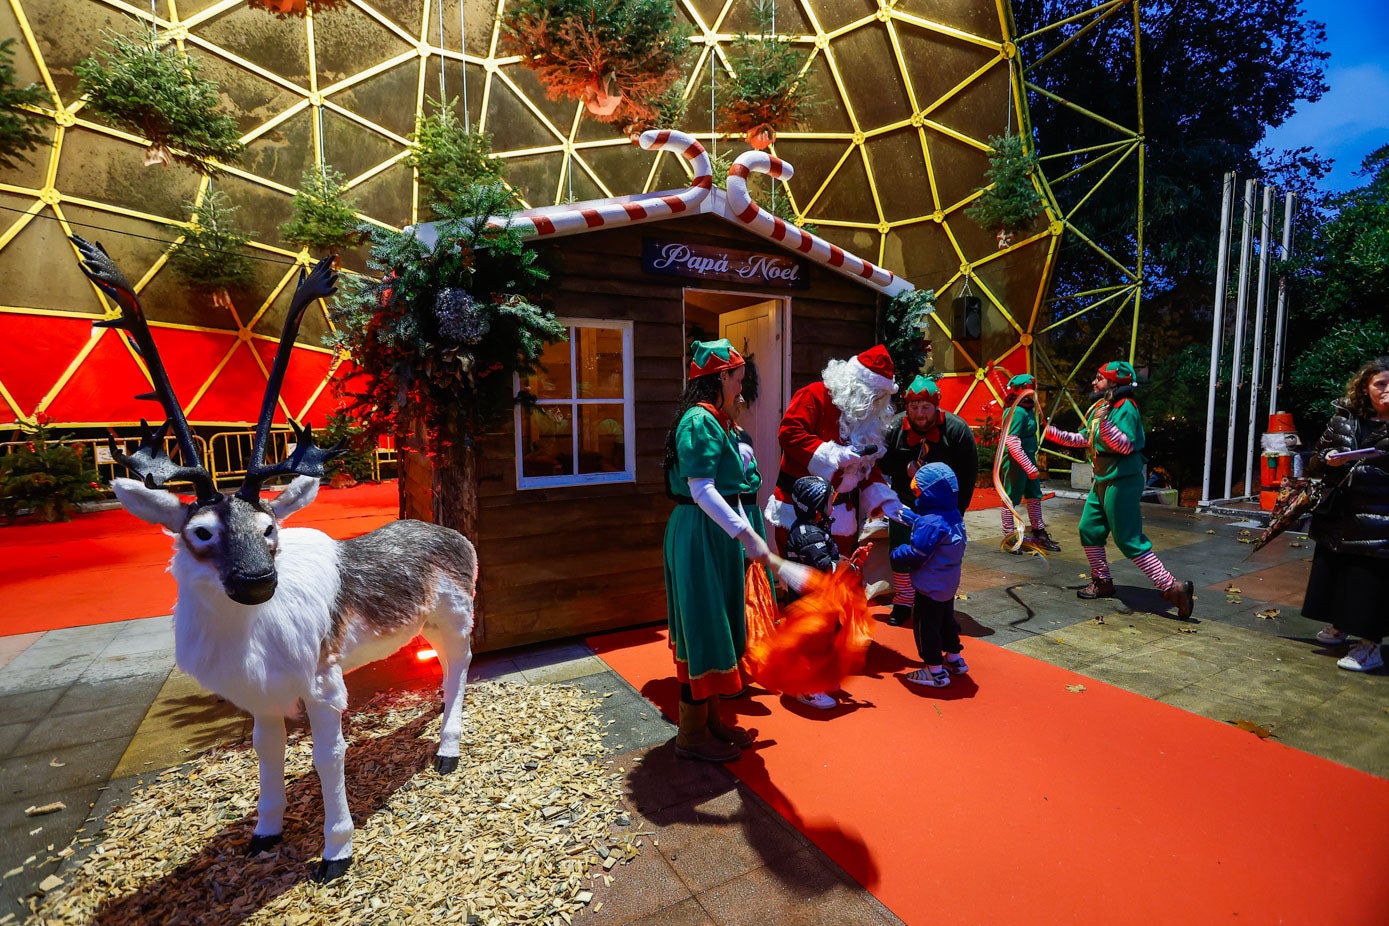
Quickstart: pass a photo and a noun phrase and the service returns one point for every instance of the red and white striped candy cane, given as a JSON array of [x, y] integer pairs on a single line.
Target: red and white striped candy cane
[[620, 213], [754, 216]]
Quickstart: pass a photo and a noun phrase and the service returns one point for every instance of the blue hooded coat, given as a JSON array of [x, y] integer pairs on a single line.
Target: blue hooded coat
[[937, 546]]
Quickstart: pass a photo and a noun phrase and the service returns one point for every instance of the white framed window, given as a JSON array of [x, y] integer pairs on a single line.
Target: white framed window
[[580, 430]]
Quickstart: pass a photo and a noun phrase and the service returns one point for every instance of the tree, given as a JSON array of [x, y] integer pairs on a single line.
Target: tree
[[438, 336], [20, 129]]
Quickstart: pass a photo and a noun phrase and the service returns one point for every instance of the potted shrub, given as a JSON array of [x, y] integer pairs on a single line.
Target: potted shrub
[[767, 90], [322, 217], [1010, 203], [19, 128], [450, 158], [157, 94], [45, 477], [209, 258], [614, 56], [358, 464]]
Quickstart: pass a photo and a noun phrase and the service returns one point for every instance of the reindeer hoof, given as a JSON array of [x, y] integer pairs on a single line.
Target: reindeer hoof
[[331, 871], [261, 844], [445, 764]]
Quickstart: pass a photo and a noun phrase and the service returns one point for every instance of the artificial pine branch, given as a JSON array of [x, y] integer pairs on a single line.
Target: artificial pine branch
[[1010, 203], [450, 158], [19, 128], [210, 256], [767, 86], [321, 215]]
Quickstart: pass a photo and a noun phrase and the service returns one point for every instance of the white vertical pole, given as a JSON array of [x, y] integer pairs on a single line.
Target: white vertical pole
[[1222, 270], [1241, 303], [1280, 322], [1256, 353], [463, 58]]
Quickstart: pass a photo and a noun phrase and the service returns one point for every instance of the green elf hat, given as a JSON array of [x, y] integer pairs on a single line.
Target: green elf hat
[[922, 388], [1117, 372], [708, 357], [1018, 385]]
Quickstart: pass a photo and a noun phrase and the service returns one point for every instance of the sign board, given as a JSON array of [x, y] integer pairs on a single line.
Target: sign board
[[708, 262]]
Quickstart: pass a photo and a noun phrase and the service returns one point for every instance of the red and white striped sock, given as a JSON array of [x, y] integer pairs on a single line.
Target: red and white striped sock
[[902, 592], [1034, 514], [1008, 524], [1099, 566], [1152, 568]]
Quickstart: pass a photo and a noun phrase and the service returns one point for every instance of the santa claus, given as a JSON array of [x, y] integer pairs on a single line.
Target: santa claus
[[835, 429]]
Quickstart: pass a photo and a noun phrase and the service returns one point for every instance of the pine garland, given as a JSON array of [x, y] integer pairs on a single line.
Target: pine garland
[[158, 95], [1010, 203], [576, 47], [321, 215], [438, 336], [210, 256], [19, 128]]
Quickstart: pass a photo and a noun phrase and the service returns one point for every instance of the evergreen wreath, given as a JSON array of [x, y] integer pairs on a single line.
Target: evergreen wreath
[[210, 256], [616, 56], [1009, 204], [449, 158], [767, 90], [19, 128], [438, 336], [904, 333], [157, 94], [321, 215]]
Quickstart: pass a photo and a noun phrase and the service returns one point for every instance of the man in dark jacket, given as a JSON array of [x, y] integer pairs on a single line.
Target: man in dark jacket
[[924, 433]]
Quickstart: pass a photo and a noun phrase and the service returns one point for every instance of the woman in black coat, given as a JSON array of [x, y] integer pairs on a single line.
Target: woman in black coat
[[1349, 584]]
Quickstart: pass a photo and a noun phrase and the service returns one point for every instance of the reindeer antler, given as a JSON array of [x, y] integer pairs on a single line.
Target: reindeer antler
[[307, 459], [149, 462]]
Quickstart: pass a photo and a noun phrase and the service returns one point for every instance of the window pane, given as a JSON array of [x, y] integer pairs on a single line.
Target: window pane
[[599, 352], [602, 443], [552, 380], [547, 441]]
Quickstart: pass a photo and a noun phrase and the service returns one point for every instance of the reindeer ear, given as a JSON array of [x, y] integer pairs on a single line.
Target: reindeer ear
[[153, 505], [298, 494]]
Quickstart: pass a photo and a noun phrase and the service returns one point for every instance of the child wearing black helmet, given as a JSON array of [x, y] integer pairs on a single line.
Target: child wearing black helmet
[[810, 542]]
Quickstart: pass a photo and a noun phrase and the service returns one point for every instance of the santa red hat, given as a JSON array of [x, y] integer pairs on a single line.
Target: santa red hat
[[874, 367]]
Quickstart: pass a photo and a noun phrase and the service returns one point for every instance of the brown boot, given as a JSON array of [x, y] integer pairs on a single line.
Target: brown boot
[[1180, 594], [1098, 588], [694, 741], [728, 733]]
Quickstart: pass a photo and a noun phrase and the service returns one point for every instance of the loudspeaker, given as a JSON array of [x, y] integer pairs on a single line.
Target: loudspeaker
[[969, 324]]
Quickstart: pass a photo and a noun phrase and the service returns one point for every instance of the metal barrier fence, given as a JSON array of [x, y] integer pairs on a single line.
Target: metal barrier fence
[[97, 452]]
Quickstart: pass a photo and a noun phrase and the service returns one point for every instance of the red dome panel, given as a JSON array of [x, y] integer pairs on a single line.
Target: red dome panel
[[234, 396], [190, 357], [103, 388], [35, 350], [306, 371]]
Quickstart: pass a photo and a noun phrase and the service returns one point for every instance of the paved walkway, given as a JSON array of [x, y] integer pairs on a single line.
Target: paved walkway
[[87, 713]]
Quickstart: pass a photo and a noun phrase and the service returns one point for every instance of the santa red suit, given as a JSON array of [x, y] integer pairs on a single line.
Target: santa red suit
[[812, 445]]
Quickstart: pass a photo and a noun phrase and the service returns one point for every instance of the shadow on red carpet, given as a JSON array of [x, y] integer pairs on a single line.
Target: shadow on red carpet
[[109, 566], [1026, 793]]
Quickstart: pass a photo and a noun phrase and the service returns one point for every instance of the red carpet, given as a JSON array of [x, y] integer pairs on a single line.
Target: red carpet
[[1007, 798], [110, 566]]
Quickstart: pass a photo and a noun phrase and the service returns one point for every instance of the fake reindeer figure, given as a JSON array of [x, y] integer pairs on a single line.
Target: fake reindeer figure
[[272, 618]]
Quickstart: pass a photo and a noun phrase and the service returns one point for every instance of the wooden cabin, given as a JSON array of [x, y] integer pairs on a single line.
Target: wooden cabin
[[572, 505]]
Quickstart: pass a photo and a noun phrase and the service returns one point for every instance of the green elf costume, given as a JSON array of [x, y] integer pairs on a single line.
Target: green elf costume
[[1113, 437], [944, 438], [1017, 470], [708, 531]]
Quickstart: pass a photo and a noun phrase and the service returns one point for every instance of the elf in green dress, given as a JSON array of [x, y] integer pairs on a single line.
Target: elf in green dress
[[1017, 469], [1112, 432], [706, 537]]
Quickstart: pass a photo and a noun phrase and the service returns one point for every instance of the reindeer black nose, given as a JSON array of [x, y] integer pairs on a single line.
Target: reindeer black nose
[[253, 589]]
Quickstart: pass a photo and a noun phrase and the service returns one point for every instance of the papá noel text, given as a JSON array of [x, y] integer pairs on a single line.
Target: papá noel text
[[706, 262]]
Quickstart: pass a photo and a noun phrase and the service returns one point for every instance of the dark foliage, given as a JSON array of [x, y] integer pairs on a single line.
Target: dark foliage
[[20, 129]]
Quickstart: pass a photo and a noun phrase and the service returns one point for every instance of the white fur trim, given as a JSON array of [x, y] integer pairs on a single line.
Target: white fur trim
[[844, 524], [874, 381], [826, 460], [875, 495], [779, 513]]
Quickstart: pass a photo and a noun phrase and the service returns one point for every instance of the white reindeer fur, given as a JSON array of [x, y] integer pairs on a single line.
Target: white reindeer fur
[[269, 658]]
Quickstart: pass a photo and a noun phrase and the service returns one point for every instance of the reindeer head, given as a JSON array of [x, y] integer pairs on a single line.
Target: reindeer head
[[235, 536]]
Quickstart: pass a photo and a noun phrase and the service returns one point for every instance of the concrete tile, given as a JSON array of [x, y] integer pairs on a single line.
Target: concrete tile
[[111, 668], [84, 696], [55, 731], [28, 706], [153, 641], [16, 680], [11, 735], [643, 888], [657, 782], [685, 913], [23, 836], [713, 841], [183, 721], [1349, 728], [12, 646], [1152, 671], [85, 763], [803, 890], [562, 671]]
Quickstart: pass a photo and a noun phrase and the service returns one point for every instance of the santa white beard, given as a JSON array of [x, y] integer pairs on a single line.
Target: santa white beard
[[864, 413]]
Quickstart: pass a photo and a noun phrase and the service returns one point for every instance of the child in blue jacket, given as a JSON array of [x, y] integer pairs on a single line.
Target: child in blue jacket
[[933, 557]]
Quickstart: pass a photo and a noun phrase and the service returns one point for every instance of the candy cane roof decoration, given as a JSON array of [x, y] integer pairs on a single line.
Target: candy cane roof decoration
[[700, 198]]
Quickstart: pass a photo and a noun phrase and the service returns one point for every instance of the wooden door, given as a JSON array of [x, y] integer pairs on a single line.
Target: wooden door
[[756, 330]]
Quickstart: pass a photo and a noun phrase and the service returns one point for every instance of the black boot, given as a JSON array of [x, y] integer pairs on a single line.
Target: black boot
[[901, 614]]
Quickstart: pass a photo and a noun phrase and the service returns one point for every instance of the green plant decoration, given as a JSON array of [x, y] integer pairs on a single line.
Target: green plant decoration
[[450, 158], [210, 256], [19, 128], [437, 338], [667, 110], [903, 333], [359, 462], [45, 477], [1010, 203], [615, 56], [767, 91], [157, 94], [322, 216]]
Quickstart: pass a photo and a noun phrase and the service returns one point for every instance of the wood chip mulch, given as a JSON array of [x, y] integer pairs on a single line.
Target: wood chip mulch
[[520, 833]]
